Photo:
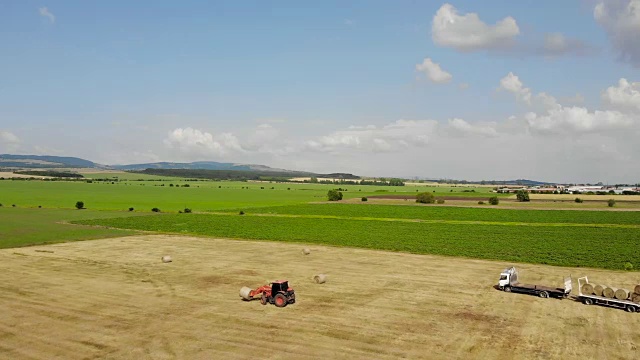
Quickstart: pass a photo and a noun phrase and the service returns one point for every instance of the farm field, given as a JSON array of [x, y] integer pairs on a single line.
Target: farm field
[[126, 304], [439, 212], [147, 194], [21, 227], [609, 246]]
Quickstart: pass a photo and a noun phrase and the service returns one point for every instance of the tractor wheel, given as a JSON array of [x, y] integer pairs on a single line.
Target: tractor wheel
[[263, 299], [280, 300], [543, 294]]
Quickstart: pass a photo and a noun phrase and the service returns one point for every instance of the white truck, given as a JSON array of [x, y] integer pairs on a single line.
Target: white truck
[[590, 299], [509, 282]]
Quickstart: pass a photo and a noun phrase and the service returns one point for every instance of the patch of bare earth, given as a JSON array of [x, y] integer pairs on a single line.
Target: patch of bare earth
[[115, 299]]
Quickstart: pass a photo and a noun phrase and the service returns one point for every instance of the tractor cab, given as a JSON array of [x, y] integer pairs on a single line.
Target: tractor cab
[[279, 286]]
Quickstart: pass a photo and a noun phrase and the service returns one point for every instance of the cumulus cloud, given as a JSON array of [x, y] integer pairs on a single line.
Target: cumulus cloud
[[468, 33], [512, 84], [461, 126], [9, 141], [556, 44], [625, 96], [391, 137], [434, 72], [48, 14], [621, 21], [194, 142], [578, 119]]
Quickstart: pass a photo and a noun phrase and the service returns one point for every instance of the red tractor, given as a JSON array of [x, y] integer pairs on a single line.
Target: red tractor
[[278, 293]]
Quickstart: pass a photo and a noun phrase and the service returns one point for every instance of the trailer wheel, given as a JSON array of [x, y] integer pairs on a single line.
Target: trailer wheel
[[507, 289], [543, 294], [631, 309], [587, 301]]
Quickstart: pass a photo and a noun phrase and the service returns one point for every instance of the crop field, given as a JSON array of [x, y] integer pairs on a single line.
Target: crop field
[[114, 299], [172, 195], [438, 212], [20, 227], [608, 246]]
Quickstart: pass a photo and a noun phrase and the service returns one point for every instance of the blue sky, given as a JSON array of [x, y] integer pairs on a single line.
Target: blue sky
[[329, 86]]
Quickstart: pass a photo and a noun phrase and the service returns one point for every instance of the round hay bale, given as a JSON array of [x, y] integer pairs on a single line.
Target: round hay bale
[[306, 251], [622, 294], [635, 298], [320, 278], [244, 293], [637, 289], [587, 289], [609, 292], [166, 259], [598, 289]]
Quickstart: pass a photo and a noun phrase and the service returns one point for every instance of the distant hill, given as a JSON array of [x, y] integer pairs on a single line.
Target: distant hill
[[202, 165], [44, 161]]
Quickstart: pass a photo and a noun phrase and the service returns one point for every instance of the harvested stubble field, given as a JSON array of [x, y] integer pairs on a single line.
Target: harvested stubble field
[[115, 299]]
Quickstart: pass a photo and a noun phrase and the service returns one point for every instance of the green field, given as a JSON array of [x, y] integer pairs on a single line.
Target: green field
[[586, 246], [439, 212], [199, 196], [297, 213], [20, 227]]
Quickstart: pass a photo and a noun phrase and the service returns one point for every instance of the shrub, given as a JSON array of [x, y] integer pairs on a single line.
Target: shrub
[[494, 200], [241, 212], [628, 266], [187, 211], [0, 205], [522, 196], [611, 203], [440, 201], [364, 198], [131, 209], [480, 202], [578, 200], [79, 205], [334, 195], [13, 205], [155, 210], [186, 185], [170, 185], [39, 206], [425, 198]]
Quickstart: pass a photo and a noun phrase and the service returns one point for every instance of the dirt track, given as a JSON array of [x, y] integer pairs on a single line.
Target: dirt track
[[115, 299]]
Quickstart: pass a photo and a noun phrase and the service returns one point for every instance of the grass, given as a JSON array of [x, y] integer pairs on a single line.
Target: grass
[[23, 227], [598, 247], [199, 196], [438, 212]]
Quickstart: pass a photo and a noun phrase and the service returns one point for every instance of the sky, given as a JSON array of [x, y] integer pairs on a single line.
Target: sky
[[490, 90]]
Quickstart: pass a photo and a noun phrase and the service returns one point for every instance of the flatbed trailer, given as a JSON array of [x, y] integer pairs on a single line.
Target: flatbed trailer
[[509, 283], [589, 299]]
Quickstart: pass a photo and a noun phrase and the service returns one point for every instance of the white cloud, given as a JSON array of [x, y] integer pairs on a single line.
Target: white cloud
[[556, 44], [8, 141], [463, 86], [468, 33], [621, 21], [389, 138], [625, 96], [463, 127], [48, 14], [433, 71], [578, 119], [194, 142], [512, 84]]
